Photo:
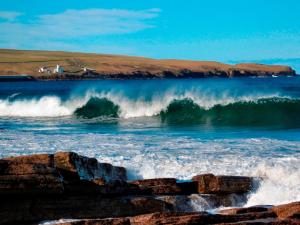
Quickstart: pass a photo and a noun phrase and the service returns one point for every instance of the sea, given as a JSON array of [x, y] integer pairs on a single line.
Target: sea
[[165, 128]]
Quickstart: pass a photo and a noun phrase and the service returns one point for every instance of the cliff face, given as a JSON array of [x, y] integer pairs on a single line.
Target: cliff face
[[14, 62]]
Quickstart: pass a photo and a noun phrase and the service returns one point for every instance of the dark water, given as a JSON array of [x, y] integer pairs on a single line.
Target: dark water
[[165, 128]]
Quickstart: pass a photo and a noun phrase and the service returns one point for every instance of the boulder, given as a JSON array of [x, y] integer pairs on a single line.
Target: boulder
[[75, 167], [211, 184]]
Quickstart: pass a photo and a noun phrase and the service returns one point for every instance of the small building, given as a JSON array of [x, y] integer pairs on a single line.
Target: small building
[[44, 70], [58, 69], [87, 70]]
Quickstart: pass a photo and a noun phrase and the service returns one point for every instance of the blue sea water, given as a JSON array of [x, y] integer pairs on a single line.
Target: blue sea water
[[165, 128]]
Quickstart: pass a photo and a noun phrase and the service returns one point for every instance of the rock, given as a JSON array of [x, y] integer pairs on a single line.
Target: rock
[[267, 221], [188, 188], [75, 167], [202, 202], [197, 218], [211, 184], [159, 186], [169, 218], [291, 210], [116, 187], [113, 221], [235, 211], [35, 209], [31, 184], [47, 159], [9, 167]]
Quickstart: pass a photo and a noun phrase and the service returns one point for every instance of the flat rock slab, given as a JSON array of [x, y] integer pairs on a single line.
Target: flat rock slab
[[211, 184]]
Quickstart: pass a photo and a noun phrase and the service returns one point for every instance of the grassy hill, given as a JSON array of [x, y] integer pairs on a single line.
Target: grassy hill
[[13, 62]]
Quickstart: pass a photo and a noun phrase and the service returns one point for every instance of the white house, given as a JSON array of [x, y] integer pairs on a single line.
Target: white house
[[86, 69], [44, 70], [58, 69]]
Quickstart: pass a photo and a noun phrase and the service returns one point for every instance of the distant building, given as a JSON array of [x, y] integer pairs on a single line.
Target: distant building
[[58, 69], [86, 69], [44, 70]]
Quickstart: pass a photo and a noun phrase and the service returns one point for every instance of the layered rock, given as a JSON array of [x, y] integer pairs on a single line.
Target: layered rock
[[258, 215], [211, 184], [67, 185]]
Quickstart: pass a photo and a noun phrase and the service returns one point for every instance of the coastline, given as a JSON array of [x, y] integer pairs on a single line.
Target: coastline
[[53, 65], [49, 187]]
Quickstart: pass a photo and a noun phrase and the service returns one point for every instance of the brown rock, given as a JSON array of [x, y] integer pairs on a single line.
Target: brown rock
[[199, 218], [235, 211], [74, 167], [29, 210], [31, 184], [188, 188], [113, 221], [201, 202], [268, 221], [169, 218], [10, 167], [159, 186], [211, 184], [291, 210], [116, 187], [46, 159]]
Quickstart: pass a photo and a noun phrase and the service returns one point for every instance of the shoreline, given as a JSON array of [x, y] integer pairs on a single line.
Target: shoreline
[[51, 65], [49, 187], [21, 78]]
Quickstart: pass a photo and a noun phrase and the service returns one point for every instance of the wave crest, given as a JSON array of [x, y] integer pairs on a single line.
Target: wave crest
[[171, 109]]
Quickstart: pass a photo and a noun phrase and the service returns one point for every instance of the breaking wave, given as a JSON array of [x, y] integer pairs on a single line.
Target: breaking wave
[[244, 111]]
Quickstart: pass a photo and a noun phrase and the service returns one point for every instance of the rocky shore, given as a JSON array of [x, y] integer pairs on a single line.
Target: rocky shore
[[49, 187]]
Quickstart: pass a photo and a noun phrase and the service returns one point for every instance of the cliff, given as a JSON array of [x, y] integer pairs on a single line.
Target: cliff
[[13, 62]]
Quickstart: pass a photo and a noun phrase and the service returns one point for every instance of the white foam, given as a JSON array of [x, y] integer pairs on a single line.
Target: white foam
[[53, 106], [153, 156], [280, 184]]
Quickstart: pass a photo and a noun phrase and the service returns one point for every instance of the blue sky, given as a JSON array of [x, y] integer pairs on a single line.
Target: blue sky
[[223, 30]]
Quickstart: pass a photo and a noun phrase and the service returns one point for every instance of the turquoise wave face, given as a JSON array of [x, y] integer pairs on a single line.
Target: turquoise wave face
[[98, 107], [280, 112]]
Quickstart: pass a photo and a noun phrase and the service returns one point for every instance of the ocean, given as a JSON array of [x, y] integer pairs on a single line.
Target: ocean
[[165, 128]]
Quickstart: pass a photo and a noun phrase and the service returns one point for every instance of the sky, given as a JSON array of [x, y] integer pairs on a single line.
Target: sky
[[219, 30]]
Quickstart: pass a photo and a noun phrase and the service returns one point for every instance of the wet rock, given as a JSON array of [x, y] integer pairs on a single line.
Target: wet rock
[[101, 187], [291, 210], [47, 159], [10, 167], [268, 221], [112, 221], [188, 188], [197, 218], [211, 184], [31, 184], [202, 202], [235, 211], [74, 167], [29, 210], [159, 186]]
